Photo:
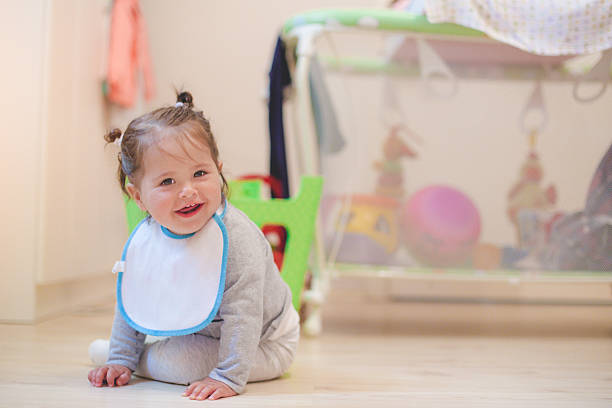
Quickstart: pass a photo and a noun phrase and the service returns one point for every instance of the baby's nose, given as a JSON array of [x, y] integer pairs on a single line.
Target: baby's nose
[[187, 192]]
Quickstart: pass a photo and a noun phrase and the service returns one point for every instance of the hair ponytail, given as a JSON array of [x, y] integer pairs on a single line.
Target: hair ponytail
[[113, 135], [185, 98]]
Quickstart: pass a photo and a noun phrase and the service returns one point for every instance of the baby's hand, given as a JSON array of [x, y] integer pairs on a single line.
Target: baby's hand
[[208, 388], [112, 374]]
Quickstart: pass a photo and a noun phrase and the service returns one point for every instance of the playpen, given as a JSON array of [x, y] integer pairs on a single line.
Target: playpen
[[446, 155]]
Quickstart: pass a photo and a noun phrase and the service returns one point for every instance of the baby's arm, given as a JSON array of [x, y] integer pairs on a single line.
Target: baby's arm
[[241, 310], [242, 314], [126, 345], [208, 389], [111, 374]]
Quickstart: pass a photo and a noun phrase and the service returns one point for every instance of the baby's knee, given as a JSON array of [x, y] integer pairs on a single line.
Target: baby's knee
[[272, 360], [178, 360]]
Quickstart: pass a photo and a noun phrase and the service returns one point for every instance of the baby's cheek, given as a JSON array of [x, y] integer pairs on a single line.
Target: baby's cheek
[[165, 197], [162, 202]]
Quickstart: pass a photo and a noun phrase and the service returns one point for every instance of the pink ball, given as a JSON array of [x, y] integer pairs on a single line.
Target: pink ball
[[440, 226]]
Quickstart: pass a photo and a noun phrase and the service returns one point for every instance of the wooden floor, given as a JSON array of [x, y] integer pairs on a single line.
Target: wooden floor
[[373, 353]]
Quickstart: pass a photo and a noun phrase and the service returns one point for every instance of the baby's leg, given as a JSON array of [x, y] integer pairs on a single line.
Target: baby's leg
[[179, 360], [274, 357], [185, 359]]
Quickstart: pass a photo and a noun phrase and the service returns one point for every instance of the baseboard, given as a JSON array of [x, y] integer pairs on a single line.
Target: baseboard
[[59, 298]]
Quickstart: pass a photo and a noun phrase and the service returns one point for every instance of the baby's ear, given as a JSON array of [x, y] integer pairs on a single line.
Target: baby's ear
[[135, 194]]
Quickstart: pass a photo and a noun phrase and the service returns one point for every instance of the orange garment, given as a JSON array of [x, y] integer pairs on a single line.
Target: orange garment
[[128, 52]]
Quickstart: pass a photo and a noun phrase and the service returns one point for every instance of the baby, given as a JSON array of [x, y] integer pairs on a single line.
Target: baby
[[196, 270]]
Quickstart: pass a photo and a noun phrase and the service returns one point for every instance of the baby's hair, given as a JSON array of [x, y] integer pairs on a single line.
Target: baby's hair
[[147, 129]]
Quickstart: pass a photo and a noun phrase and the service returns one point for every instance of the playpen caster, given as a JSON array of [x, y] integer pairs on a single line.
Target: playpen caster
[[313, 324]]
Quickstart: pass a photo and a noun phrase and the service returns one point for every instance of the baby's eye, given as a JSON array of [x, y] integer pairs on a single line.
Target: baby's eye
[[167, 182], [199, 173]]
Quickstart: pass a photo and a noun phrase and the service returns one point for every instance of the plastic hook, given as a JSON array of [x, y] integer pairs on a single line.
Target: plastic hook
[[600, 72], [535, 103], [434, 67]]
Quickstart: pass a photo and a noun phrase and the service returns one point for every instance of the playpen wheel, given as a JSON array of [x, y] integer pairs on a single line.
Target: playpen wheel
[[312, 326]]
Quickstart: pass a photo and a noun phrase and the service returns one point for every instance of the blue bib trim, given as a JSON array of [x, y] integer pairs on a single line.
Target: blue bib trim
[[171, 234], [220, 289]]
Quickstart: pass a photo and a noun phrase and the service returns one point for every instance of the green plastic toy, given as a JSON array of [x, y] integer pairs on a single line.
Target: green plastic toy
[[133, 213], [297, 215]]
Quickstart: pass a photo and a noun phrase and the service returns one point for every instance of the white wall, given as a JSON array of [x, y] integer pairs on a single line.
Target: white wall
[[22, 29], [83, 225], [63, 221]]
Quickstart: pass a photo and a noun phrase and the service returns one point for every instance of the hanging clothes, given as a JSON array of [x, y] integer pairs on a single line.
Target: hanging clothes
[[279, 79], [128, 53], [329, 137]]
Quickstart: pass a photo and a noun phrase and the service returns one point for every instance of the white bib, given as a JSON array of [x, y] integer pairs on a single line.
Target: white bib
[[172, 285]]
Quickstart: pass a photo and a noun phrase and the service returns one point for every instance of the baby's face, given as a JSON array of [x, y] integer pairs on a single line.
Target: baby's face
[[181, 191]]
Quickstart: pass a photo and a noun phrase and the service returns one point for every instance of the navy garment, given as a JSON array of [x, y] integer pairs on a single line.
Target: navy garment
[[279, 79]]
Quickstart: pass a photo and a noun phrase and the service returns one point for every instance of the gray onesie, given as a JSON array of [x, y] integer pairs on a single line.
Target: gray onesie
[[253, 337]]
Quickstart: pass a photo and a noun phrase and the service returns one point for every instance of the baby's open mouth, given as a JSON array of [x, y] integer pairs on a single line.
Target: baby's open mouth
[[189, 210]]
